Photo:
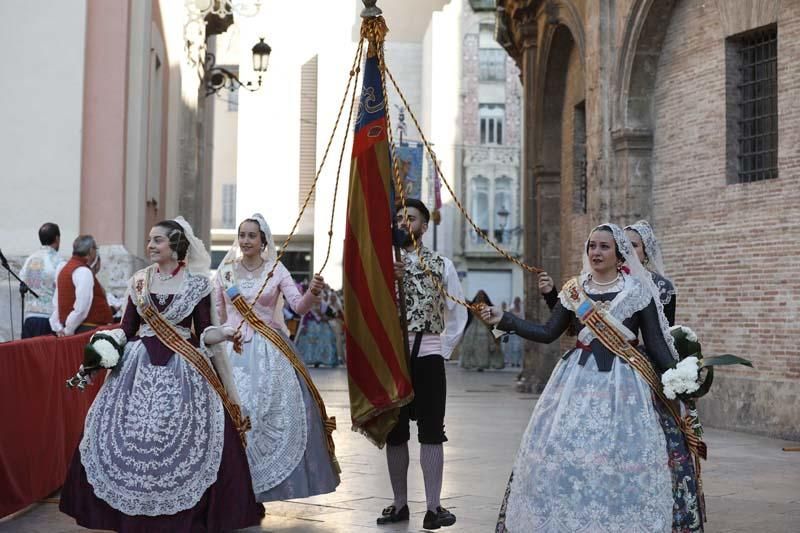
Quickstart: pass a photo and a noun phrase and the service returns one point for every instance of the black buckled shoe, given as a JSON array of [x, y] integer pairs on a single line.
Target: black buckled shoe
[[390, 515], [441, 518]]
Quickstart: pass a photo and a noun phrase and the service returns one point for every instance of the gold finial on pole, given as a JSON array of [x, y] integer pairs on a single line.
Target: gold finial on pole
[[370, 9]]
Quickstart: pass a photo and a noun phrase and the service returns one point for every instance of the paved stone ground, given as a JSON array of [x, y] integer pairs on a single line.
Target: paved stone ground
[[751, 485]]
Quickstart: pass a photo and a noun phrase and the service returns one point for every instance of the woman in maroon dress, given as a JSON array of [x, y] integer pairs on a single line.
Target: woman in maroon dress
[[161, 451]]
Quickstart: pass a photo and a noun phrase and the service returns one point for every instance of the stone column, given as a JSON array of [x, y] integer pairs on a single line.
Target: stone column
[[526, 33], [633, 150], [547, 184]]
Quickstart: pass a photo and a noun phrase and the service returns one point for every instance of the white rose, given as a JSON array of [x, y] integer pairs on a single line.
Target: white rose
[[109, 356], [682, 379]]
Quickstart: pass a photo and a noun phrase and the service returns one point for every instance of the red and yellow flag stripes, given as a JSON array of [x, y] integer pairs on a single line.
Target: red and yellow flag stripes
[[376, 365]]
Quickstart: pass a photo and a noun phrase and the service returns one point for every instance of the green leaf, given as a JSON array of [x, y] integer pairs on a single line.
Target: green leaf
[[726, 359]]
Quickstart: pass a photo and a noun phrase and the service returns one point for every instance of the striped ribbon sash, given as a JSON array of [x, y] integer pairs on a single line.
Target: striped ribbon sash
[[283, 345]]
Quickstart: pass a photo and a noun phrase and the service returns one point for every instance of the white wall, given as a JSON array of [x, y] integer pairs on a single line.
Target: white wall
[[269, 120], [441, 100], [226, 124], [41, 112]]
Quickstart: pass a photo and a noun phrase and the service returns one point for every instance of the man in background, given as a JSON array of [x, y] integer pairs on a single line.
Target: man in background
[[39, 273]]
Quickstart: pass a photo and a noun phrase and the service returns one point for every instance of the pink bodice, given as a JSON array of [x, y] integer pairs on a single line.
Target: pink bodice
[[281, 284]]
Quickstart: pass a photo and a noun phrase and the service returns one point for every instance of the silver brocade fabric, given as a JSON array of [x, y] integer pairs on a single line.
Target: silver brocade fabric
[[424, 302]]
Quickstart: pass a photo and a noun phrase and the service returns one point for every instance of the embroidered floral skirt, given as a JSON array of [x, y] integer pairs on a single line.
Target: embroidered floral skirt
[[687, 516], [287, 448], [159, 454], [593, 457]]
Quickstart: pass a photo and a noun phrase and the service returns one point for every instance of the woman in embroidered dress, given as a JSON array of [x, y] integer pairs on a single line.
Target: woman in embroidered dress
[[315, 339], [160, 451], [688, 516], [289, 450], [479, 349], [337, 323], [513, 348], [648, 251], [593, 457]]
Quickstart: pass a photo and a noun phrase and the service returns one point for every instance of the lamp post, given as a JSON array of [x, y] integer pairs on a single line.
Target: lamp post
[[217, 78], [502, 222]]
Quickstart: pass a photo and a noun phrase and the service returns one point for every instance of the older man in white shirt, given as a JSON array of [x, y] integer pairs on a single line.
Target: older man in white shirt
[[80, 301]]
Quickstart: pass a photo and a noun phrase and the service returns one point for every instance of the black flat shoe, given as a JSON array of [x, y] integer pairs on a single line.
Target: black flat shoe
[[390, 515], [441, 518]]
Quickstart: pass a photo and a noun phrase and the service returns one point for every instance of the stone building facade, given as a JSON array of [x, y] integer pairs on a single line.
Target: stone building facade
[[682, 112], [491, 110]]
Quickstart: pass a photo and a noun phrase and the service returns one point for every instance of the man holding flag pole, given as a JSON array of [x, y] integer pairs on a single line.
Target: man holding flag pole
[[392, 303], [435, 326]]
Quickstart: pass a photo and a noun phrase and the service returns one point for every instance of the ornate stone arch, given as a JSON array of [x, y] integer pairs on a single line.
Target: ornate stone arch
[[637, 63], [633, 117]]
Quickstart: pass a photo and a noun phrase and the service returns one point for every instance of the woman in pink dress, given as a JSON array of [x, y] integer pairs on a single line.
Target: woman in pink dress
[[290, 449]]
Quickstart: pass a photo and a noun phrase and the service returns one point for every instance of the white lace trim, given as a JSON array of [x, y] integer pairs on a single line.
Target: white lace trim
[[146, 331], [153, 437], [194, 288], [272, 397], [631, 299], [665, 288]]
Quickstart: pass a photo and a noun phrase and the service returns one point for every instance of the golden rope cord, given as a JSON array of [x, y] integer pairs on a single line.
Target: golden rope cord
[[353, 74], [400, 189], [458, 203], [341, 158]]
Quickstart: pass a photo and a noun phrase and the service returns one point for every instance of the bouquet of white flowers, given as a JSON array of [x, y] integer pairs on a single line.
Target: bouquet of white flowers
[[683, 379], [692, 376], [103, 351]]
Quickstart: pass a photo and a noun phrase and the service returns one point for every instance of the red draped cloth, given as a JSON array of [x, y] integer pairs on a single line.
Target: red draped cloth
[[41, 419]]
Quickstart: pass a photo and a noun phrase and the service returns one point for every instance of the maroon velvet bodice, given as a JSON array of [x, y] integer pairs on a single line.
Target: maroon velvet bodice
[[159, 353]]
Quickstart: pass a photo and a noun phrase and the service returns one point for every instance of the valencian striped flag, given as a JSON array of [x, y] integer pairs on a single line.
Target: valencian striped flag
[[376, 363]]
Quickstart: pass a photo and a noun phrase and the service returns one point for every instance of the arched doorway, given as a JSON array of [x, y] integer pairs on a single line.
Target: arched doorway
[[560, 157]]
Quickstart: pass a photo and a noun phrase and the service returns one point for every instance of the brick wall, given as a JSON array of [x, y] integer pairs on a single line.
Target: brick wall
[[732, 250]]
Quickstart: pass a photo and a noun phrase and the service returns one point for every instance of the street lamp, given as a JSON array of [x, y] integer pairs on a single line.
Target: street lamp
[[502, 221], [217, 78], [261, 52]]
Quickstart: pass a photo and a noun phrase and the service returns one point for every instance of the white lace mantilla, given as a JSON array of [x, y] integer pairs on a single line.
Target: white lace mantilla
[[153, 437], [272, 397]]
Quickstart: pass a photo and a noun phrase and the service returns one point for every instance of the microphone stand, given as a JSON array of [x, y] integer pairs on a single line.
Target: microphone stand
[[23, 289]]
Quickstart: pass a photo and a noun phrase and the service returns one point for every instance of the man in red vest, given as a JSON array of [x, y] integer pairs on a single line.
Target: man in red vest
[[79, 299]]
